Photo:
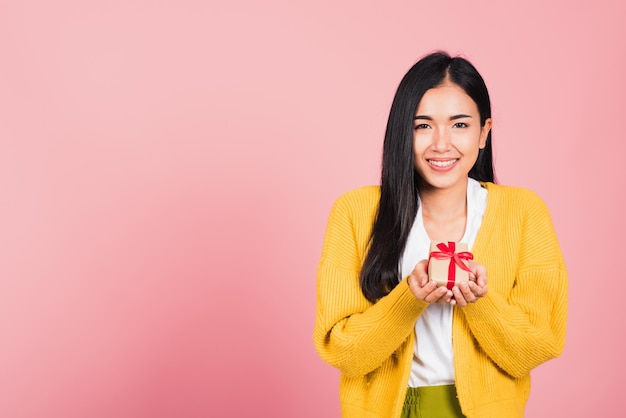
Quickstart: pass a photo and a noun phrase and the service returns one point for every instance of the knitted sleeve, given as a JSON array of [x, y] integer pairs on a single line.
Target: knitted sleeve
[[525, 326], [351, 333]]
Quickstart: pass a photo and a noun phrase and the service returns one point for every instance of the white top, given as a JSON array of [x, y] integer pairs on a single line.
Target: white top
[[433, 359]]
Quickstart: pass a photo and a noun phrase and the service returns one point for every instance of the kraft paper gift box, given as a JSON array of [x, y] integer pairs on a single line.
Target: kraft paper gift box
[[447, 263]]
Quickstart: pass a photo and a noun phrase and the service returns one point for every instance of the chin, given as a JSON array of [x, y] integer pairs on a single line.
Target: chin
[[443, 185]]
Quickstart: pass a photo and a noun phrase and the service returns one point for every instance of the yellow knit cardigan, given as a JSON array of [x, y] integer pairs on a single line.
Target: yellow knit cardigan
[[497, 341]]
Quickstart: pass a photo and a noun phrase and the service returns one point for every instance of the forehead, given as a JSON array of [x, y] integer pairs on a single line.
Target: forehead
[[446, 99]]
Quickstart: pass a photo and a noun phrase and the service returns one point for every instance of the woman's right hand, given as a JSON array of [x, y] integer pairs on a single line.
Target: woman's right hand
[[424, 289]]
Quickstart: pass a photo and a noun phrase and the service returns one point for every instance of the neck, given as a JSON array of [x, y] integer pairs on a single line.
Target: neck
[[443, 205]]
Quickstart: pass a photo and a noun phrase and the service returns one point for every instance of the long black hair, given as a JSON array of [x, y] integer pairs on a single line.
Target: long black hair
[[399, 179]]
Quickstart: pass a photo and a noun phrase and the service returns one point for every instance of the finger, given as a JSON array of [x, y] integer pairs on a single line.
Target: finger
[[469, 296], [478, 291], [478, 273], [421, 292], [459, 299], [446, 296], [437, 294], [420, 271], [428, 290], [481, 275]]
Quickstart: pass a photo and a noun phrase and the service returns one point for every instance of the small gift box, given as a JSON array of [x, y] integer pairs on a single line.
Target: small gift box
[[447, 263]]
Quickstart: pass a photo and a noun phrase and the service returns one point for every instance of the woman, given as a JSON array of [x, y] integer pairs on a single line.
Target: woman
[[404, 346]]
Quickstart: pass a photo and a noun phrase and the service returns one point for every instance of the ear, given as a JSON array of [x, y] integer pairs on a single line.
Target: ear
[[484, 132]]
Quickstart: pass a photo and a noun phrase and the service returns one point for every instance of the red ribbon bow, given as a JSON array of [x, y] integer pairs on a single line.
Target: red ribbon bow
[[456, 259]]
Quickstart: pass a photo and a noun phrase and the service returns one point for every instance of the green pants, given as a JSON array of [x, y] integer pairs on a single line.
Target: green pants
[[432, 402]]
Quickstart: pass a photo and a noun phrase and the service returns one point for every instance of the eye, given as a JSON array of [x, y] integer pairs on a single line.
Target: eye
[[460, 125], [422, 126]]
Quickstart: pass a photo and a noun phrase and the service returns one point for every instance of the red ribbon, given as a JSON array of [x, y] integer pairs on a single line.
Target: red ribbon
[[456, 259]]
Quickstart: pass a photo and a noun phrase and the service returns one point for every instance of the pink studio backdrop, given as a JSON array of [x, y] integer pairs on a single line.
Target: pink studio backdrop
[[167, 168]]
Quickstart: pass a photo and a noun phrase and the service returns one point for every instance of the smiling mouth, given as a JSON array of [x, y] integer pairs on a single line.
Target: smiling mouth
[[443, 163]]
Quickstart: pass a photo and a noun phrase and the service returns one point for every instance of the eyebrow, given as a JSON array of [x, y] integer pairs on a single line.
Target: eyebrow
[[455, 117]]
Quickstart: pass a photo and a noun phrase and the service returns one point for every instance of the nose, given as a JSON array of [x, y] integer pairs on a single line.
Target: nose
[[441, 139]]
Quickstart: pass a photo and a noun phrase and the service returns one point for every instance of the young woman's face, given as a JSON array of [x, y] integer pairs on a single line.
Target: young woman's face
[[447, 136]]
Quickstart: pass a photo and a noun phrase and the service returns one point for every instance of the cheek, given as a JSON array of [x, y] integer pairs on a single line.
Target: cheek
[[470, 141], [420, 143], [417, 152]]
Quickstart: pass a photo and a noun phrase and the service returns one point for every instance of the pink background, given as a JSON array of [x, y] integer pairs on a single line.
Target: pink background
[[167, 168]]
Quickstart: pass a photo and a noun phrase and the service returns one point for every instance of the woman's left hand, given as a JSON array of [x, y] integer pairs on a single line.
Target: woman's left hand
[[474, 289]]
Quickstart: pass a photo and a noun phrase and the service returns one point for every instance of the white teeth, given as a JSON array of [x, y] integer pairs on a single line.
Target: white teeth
[[442, 163]]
